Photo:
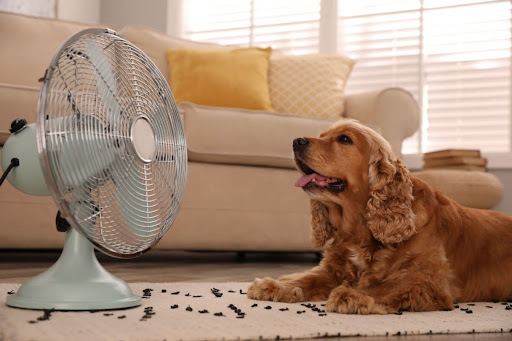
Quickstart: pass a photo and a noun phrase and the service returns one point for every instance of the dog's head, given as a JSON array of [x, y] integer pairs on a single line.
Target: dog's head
[[353, 167]]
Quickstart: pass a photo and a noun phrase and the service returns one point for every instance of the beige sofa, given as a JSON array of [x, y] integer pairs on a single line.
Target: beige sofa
[[240, 193]]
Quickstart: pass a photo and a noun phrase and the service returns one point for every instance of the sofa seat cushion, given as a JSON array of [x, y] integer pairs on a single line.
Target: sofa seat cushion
[[469, 188], [245, 137]]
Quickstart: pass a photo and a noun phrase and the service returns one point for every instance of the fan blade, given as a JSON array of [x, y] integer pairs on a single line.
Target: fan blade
[[135, 202], [106, 83]]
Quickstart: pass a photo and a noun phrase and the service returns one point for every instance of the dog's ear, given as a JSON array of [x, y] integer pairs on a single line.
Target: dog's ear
[[321, 228], [389, 213]]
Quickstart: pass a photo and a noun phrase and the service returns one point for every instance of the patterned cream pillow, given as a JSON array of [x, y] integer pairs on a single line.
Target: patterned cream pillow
[[309, 85]]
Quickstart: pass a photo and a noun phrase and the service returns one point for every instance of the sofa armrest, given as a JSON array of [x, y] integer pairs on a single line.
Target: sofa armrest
[[393, 112]]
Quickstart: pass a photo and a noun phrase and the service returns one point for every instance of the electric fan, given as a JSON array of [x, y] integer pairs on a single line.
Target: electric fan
[[109, 146]]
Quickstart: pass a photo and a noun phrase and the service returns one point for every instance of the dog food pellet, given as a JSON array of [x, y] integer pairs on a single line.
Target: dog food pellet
[[32, 321], [508, 307], [240, 316], [175, 293], [488, 306], [187, 295], [121, 317], [218, 314], [471, 304], [254, 305], [108, 314], [284, 309], [242, 293], [216, 292], [174, 306], [163, 290], [469, 311], [322, 314], [197, 296], [188, 308], [10, 292], [231, 291], [456, 306], [203, 311], [301, 311], [268, 307]]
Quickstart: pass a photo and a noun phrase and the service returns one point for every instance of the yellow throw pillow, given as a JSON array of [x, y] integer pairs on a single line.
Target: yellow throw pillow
[[236, 78], [309, 85]]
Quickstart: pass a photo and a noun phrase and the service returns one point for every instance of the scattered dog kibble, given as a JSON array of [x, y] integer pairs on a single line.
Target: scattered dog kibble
[[164, 291], [488, 306], [148, 313], [46, 315], [242, 293], [203, 311], [108, 314], [196, 296], [508, 307], [175, 293], [10, 292], [301, 311], [187, 295], [219, 314], [471, 304], [121, 317], [254, 305], [188, 308], [322, 314], [216, 292], [231, 291], [175, 306], [469, 311], [268, 307], [32, 321], [456, 306], [283, 309]]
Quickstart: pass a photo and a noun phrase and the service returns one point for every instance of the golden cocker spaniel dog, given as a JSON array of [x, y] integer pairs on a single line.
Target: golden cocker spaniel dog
[[393, 242]]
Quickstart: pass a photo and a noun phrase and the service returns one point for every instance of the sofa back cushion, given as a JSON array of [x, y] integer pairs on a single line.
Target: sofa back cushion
[[156, 44], [245, 137]]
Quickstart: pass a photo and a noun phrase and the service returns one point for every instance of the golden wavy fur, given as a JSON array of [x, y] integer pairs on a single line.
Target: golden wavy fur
[[393, 243]]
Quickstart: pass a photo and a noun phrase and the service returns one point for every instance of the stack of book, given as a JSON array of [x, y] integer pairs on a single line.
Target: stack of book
[[466, 159]]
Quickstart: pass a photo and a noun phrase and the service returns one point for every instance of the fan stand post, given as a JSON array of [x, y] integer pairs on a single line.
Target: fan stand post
[[77, 281]]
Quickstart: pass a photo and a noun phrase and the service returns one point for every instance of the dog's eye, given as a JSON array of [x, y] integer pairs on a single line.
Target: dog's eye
[[345, 139]]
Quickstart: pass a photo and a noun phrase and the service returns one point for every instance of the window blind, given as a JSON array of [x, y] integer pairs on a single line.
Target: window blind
[[452, 55], [288, 26]]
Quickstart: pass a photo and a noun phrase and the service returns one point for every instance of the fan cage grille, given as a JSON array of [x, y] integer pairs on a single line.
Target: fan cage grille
[[96, 87]]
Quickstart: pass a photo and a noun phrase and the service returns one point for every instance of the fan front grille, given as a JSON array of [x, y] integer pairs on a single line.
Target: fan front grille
[[97, 88]]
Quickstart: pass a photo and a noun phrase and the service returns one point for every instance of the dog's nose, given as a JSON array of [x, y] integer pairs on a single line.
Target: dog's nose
[[300, 143]]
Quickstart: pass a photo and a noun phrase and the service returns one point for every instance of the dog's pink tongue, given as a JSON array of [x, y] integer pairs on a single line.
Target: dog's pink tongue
[[306, 179]]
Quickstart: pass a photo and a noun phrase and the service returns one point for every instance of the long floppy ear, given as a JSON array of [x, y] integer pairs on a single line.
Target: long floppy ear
[[321, 228], [389, 213]]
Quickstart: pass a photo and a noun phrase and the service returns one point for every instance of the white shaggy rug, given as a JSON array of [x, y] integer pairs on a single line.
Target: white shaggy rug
[[192, 311]]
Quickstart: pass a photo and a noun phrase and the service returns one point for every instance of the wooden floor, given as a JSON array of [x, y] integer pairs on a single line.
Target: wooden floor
[[165, 266]]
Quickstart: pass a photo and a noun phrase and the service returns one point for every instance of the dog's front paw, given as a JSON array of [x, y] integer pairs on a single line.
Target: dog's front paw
[[268, 289], [349, 301]]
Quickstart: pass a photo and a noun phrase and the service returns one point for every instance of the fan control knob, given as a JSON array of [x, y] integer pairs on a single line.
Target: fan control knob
[[17, 125]]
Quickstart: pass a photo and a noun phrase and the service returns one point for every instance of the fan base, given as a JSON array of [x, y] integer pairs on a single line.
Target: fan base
[[77, 281]]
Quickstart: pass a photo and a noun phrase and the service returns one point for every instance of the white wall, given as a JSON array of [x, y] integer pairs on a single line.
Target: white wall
[[79, 10], [148, 13]]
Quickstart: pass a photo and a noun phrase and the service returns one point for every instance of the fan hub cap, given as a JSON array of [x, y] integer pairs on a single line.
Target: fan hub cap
[[143, 139]]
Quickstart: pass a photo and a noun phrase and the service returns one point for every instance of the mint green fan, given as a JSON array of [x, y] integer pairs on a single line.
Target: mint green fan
[[110, 148]]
